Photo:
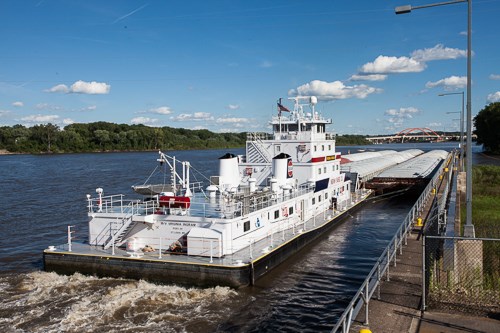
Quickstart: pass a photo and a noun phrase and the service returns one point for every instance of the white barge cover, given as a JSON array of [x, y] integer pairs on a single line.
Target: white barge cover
[[418, 167], [364, 156], [362, 170]]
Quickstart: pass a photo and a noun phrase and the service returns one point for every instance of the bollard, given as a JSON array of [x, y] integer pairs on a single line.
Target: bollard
[[433, 190], [419, 222], [365, 330]]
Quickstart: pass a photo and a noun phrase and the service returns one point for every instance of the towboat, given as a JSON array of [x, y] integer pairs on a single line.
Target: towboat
[[282, 193]]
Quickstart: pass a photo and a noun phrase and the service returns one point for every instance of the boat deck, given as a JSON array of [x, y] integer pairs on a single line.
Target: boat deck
[[84, 254]]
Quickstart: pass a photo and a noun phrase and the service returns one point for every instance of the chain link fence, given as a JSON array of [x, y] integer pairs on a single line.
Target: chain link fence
[[462, 274]]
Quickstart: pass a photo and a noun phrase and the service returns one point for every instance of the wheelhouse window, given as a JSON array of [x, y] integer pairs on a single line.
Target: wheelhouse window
[[276, 214], [290, 210], [313, 201]]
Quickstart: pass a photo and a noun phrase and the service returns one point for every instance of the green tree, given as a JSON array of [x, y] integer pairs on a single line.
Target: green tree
[[487, 123], [102, 136], [44, 135]]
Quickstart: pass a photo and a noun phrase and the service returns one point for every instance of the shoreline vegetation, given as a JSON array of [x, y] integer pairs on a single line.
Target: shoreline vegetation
[[110, 137], [485, 201]]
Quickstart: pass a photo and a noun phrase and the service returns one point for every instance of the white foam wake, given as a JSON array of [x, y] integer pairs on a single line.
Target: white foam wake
[[48, 302]]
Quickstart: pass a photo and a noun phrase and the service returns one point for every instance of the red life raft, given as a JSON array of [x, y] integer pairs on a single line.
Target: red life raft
[[174, 201]]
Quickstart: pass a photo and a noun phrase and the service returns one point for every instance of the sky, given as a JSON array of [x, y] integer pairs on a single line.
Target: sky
[[221, 65]]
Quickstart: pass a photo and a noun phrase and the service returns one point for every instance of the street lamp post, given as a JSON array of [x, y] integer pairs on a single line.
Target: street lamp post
[[469, 227], [461, 126]]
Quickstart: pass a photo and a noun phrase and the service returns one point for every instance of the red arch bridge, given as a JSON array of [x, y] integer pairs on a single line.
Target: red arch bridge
[[410, 134]]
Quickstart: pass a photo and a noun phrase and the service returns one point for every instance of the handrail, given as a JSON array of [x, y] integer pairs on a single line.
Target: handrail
[[381, 267]]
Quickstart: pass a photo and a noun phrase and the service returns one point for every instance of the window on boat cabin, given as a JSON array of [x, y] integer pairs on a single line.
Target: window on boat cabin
[[319, 198], [276, 214], [347, 187], [326, 196], [323, 147], [246, 226], [313, 201], [324, 169], [319, 171], [329, 147], [290, 210], [268, 216], [315, 148], [278, 148]]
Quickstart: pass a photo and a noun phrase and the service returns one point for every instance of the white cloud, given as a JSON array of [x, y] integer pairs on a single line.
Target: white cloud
[[494, 77], [390, 65], [197, 116], [495, 97], [82, 87], [333, 90], [18, 104], [68, 121], [227, 130], [4, 112], [233, 106], [89, 108], [438, 52], [93, 88], [368, 77], [232, 120], [38, 118], [430, 125], [143, 120], [47, 106], [449, 83], [60, 88], [463, 33], [266, 64], [161, 110], [199, 127], [398, 116]]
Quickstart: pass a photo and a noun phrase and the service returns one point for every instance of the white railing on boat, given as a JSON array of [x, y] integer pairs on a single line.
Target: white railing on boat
[[226, 206]]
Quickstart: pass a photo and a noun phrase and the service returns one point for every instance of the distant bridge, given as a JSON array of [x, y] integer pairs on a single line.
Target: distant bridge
[[410, 134]]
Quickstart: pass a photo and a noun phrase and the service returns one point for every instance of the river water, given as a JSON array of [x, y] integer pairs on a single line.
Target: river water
[[42, 194]]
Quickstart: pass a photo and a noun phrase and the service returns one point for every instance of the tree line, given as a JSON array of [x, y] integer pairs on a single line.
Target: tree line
[[487, 123], [104, 136]]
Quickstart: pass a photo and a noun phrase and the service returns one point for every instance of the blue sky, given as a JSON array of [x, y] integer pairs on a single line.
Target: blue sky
[[221, 65]]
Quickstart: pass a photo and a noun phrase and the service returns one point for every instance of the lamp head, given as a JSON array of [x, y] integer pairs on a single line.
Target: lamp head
[[403, 9]]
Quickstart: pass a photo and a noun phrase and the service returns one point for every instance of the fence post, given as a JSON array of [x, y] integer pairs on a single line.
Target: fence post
[[401, 242], [378, 279], [388, 278], [423, 273], [395, 250], [367, 301]]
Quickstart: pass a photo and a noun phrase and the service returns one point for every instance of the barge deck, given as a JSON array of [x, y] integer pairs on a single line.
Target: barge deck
[[235, 270]]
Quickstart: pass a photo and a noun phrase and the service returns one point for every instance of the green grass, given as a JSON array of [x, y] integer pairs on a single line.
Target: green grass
[[485, 201], [486, 218]]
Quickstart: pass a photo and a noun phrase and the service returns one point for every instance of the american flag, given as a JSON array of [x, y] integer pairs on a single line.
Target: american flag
[[281, 107]]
